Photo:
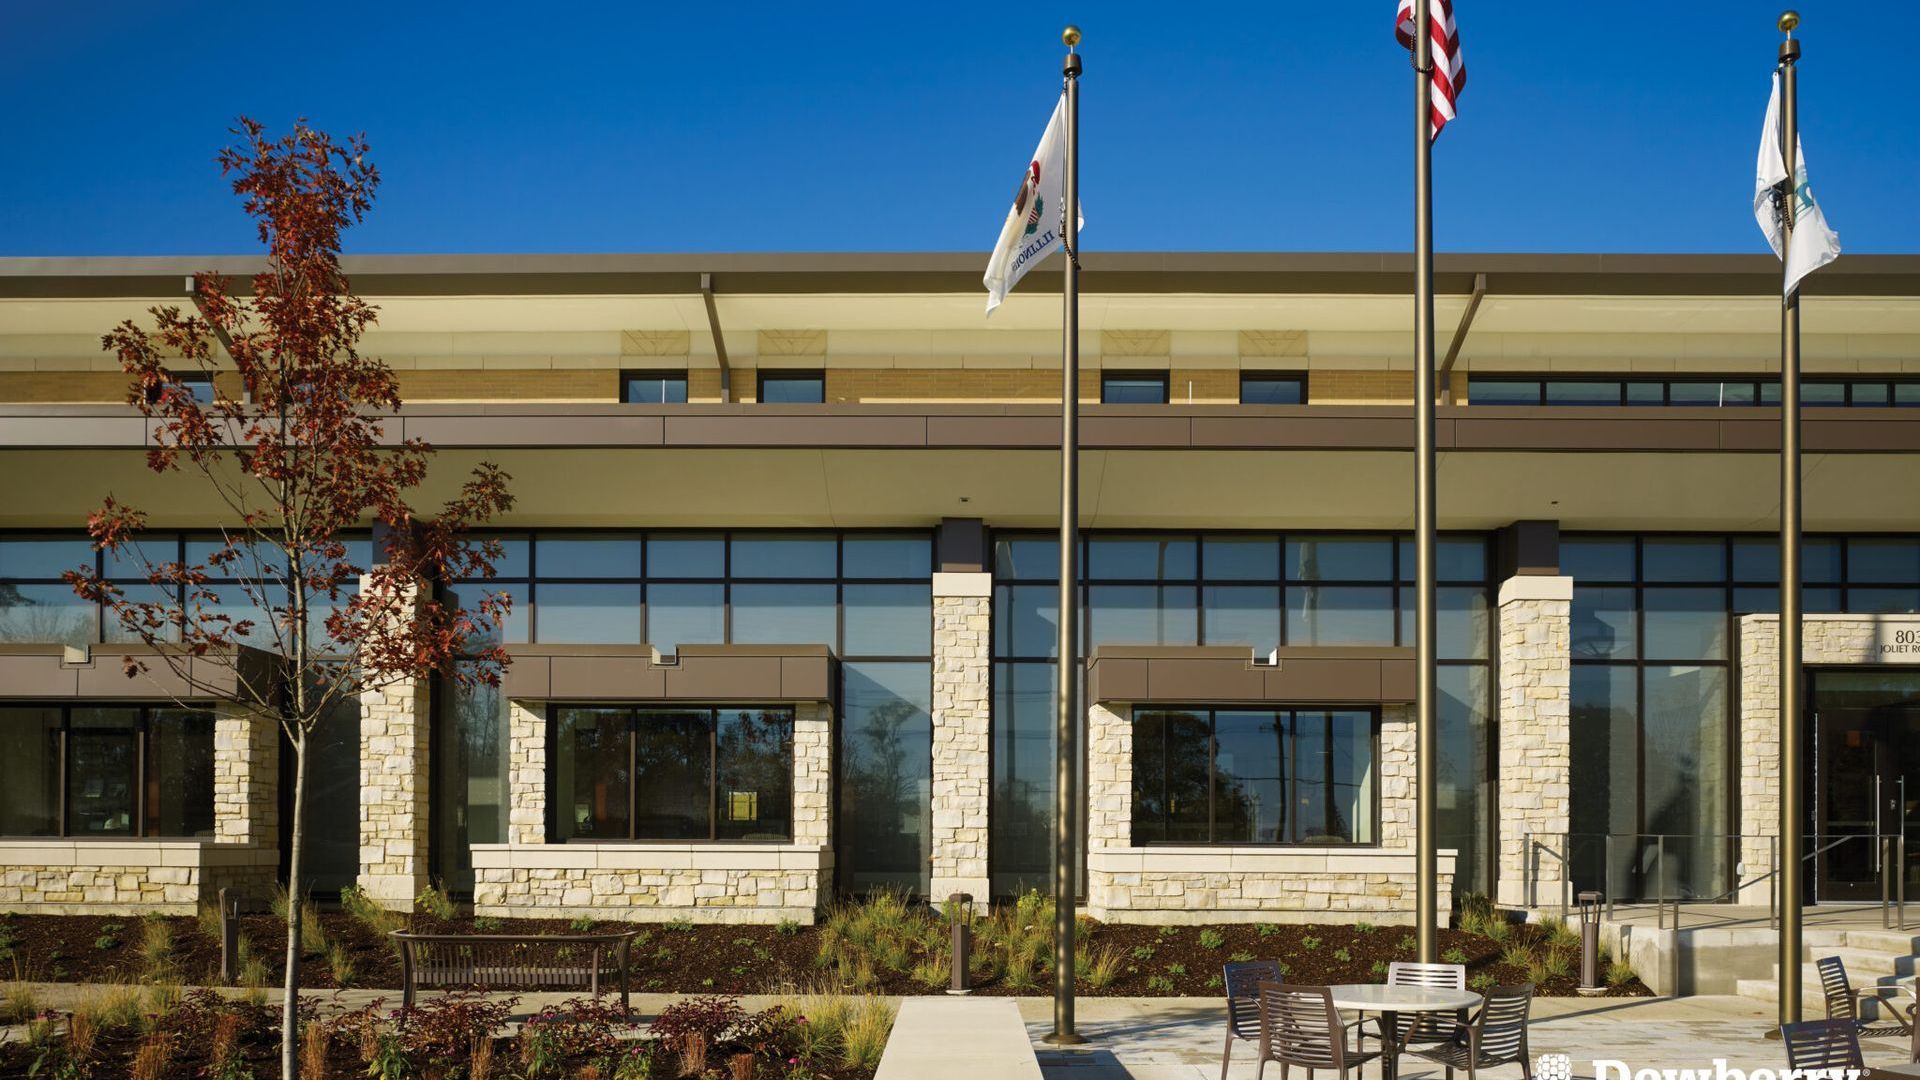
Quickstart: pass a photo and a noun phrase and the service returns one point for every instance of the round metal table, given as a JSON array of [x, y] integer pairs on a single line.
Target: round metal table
[[1390, 1001]]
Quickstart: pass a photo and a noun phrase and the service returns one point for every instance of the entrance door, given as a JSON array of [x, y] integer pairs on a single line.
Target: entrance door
[[1866, 763]]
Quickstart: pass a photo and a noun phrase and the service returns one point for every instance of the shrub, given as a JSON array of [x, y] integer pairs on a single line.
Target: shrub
[[788, 927], [1558, 934], [486, 924], [1558, 963], [156, 948], [1379, 969], [112, 1006], [708, 1016], [1343, 955], [1482, 982], [1103, 966], [1455, 955], [933, 972], [1142, 952], [1176, 969], [1364, 927], [1240, 957], [22, 1001], [1620, 973], [362, 909], [578, 1028], [1517, 954], [154, 1059], [314, 1043], [434, 903], [864, 1036], [1215, 982], [1267, 929], [439, 1035], [1310, 943], [1212, 939], [1160, 984]]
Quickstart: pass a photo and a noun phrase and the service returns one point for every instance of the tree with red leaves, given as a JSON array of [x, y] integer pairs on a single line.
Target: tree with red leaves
[[292, 445]]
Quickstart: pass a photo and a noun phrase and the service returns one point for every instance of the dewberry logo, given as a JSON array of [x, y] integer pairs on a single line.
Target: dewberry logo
[[1608, 1069], [1553, 1067]]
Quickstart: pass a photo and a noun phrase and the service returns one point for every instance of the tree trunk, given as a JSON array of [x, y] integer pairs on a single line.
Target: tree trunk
[[290, 1007]]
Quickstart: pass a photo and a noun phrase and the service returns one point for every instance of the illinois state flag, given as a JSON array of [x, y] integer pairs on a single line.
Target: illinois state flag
[[1033, 229], [1814, 243]]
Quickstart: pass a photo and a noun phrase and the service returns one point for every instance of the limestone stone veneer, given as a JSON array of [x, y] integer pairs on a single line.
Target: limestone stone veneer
[[1826, 640], [1535, 725], [1252, 883], [706, 882], [962, 734]]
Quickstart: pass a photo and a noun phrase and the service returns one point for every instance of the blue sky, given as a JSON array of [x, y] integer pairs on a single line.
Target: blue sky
[[799, 127]]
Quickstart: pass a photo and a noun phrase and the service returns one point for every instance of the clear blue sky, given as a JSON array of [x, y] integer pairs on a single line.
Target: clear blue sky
[[792, 127]]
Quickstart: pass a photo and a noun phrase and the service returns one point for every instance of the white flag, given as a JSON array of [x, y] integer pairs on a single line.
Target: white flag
[[1814, 244], [1033, 229]]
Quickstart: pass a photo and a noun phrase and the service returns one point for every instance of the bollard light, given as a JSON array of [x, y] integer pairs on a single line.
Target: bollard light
[[960, 912], [1590, 944]]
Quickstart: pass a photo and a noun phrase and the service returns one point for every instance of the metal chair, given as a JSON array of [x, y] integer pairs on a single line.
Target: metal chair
[[1822, 1044], [1421, 1028], [1843, 1002], [1243, 1002], [1300, 1026], [1497, 1035]]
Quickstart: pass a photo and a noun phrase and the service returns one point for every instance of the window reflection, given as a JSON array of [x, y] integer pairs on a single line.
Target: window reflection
[[1302, 776]]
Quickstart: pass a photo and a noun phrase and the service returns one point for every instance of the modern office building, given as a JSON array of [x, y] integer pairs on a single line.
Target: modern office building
[[783, 570]]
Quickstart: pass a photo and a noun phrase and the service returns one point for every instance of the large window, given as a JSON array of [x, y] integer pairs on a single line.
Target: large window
[[106, 770], [1239, 776], [867, 595], [1260, 590], [37, 606], [1652, 694], [626, 773], [1687, 391]]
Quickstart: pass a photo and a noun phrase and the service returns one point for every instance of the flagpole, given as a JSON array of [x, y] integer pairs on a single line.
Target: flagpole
[[1425, 893], [1067, 693], [1791, 691]]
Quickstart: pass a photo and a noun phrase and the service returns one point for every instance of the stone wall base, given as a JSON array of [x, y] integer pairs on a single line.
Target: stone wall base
[[651, 882], [168, 876], [1243, 884]]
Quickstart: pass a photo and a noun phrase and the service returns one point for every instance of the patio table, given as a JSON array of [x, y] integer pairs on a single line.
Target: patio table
[[1391, 1001]]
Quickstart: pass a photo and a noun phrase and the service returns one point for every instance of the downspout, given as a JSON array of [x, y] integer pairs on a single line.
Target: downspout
[[719, 339], [1445, 376]]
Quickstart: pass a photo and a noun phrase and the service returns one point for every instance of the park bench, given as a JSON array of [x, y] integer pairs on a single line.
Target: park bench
[[511, 961]]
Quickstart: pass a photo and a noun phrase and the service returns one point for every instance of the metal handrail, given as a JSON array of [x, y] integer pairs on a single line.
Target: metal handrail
[[1891, 863]]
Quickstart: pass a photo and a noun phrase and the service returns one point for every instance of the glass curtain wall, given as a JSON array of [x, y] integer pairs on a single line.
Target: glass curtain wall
[[1653, 725], [1261, 590], [868, 595]]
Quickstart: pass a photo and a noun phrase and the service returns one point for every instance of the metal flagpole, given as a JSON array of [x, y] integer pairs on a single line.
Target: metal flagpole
[[1425, 896], [1068, 691], [1791, 690]]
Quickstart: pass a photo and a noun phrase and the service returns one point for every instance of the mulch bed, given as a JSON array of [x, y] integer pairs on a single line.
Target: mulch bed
[[686, 959]]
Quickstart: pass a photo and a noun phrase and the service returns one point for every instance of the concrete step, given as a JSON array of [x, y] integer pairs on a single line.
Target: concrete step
[[1813, 997], [1863, 964], [1890, 942]]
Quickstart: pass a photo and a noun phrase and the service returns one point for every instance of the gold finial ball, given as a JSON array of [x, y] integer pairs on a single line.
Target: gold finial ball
[[1789, 20], [1070, 36]]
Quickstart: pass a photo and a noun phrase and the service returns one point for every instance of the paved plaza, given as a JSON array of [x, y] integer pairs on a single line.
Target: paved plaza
[[1180, 1039]]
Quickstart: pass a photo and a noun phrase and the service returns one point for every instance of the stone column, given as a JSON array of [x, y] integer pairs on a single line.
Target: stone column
[[246, 778], [395, 722], [393, 793], [962, 733], [526, 774], [1535, 727]]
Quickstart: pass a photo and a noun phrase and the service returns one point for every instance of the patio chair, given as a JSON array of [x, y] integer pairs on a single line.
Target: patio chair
[[1300, 1026], [1243, 1002], [1419, 1028], [1822, 1044], [1843, 1002], [1497, 1035]]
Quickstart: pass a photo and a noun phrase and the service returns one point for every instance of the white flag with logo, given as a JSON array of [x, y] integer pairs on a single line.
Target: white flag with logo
[[1033, 229], [1814, 244]]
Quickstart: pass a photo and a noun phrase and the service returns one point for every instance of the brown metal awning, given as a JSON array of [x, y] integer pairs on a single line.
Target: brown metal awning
[[54, 672], [1229, 675], [709, 674]]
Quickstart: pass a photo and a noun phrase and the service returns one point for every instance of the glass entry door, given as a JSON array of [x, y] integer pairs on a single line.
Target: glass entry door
[[1866, 769]]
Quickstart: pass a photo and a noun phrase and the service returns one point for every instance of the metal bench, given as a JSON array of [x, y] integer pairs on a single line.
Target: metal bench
[[511, 961]]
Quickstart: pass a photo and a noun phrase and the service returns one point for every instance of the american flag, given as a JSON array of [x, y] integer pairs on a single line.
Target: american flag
[[1449, 67]]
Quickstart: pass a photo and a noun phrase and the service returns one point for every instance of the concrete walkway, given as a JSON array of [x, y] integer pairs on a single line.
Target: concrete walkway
[[1180, 1038]]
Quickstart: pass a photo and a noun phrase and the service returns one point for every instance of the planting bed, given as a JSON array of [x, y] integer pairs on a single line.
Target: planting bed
[[872, 949]]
